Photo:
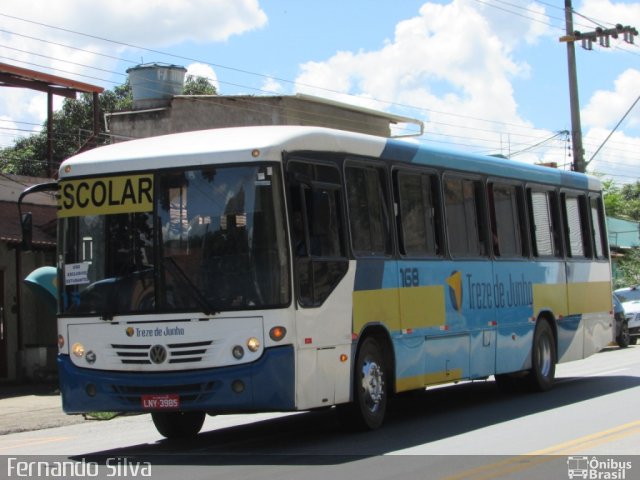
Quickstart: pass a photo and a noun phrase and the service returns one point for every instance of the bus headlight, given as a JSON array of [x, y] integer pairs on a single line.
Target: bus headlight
[[78, 350], [90, 357], [253, 344], [237, 352]]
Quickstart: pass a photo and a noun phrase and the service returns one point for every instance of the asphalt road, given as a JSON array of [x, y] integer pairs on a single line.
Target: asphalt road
[[466, 431]]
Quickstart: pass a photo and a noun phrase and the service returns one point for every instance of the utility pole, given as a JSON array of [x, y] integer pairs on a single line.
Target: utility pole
[[603, 37], [576, 128]]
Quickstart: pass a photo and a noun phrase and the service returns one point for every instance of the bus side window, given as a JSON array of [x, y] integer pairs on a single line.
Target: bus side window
[[598, 234], [419, 214], [368, 211], [316, 230], [544, 222], [466, 226], [577, 225], [507, 220]]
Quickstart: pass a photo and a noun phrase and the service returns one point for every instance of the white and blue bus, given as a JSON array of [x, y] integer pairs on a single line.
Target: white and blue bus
[[292, 268]]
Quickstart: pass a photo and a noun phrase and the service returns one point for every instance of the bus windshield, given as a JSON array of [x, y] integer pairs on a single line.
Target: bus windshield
[[214, 241]]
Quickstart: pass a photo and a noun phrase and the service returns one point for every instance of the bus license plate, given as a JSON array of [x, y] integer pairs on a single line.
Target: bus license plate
[[160, 402]]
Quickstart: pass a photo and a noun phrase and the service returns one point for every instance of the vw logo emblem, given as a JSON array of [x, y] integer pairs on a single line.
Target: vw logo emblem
[[158, 354]]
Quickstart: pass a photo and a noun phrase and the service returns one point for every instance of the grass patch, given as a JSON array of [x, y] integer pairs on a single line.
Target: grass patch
[[101, 415]]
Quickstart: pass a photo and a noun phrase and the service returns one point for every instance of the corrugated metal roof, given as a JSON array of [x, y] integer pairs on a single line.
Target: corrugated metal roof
[[623, 233], [44, 223]]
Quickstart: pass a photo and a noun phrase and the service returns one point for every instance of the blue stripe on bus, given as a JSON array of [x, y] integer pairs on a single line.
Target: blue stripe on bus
[[429, 155], [400, 151], [269, 385], [370, 274], [464, 306]]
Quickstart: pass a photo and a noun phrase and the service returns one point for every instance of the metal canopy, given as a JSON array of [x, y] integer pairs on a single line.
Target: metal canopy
[[17, 77], [12, 76]]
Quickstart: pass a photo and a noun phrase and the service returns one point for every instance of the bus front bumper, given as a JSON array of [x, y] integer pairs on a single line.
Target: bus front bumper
[[264, 385]]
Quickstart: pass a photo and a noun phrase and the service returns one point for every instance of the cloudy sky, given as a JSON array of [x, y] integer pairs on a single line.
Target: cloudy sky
[[488, 76]]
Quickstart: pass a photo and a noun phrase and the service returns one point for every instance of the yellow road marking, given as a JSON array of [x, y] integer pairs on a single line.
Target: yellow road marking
[[37, 441], [605, 436], [530, 460]]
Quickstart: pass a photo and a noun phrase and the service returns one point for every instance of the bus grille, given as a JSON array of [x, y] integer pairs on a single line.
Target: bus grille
[[173, 353]]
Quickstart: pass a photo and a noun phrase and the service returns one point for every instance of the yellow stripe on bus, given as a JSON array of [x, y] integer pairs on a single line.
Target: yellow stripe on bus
[[376, 306], [426, 379], [589, 297], [552, 297], [422, 307], [573, 298], [400, 308]]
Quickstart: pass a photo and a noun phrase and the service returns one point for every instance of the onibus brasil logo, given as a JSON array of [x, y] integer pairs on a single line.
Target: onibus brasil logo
[[593, 468]]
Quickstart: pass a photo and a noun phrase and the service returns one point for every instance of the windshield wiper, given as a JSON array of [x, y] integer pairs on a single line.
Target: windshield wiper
[[189, 286]]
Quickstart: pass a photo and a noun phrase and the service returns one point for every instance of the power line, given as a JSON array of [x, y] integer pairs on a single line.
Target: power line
[[268, 77], [218, 66], [433, 122], [614, 129]]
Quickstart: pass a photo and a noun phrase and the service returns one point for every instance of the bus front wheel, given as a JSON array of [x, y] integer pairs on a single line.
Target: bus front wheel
[[178, 424], [367, 411]]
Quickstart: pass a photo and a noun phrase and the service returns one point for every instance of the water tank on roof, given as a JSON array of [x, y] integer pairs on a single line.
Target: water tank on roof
[[153, 84]]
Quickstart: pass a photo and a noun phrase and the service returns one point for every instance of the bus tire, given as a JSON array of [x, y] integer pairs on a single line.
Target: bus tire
[[367, 411], [543, 358], [623, 339], [178, 424]]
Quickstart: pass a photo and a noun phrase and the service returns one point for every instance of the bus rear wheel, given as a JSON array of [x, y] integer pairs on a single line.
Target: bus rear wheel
[[178, 424], [368, 409], [543, 359]]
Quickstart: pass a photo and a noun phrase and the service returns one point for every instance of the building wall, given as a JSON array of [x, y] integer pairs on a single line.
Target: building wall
[[26, 316], [188, 113], [33, 354]]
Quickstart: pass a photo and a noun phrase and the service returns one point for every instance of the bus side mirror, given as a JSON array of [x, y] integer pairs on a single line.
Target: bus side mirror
[[26, 220], [26, 223]]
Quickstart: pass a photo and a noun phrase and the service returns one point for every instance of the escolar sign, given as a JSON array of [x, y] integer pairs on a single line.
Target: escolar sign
[[104, 196]]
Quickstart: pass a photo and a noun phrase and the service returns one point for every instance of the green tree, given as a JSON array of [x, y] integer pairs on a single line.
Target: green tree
[[73, 126], [194, 85], [630, 193], [628, 272], [622, 202], [613, 202]]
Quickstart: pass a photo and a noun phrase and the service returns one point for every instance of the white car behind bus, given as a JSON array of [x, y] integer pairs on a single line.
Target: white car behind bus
[[630, 299]]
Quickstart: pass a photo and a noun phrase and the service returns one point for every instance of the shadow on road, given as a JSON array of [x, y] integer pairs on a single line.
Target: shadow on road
[[417, 418]]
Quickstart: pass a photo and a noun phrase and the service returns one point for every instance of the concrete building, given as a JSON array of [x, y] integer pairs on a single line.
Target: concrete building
[[27, 326], [183, 113]]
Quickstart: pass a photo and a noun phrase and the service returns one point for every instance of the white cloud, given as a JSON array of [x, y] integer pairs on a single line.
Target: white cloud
[[618, 157], [206, 71], [607, 107], [515, 23], [29, 41], [271, 86], [450, 58], [609, 13], [151, 24]]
